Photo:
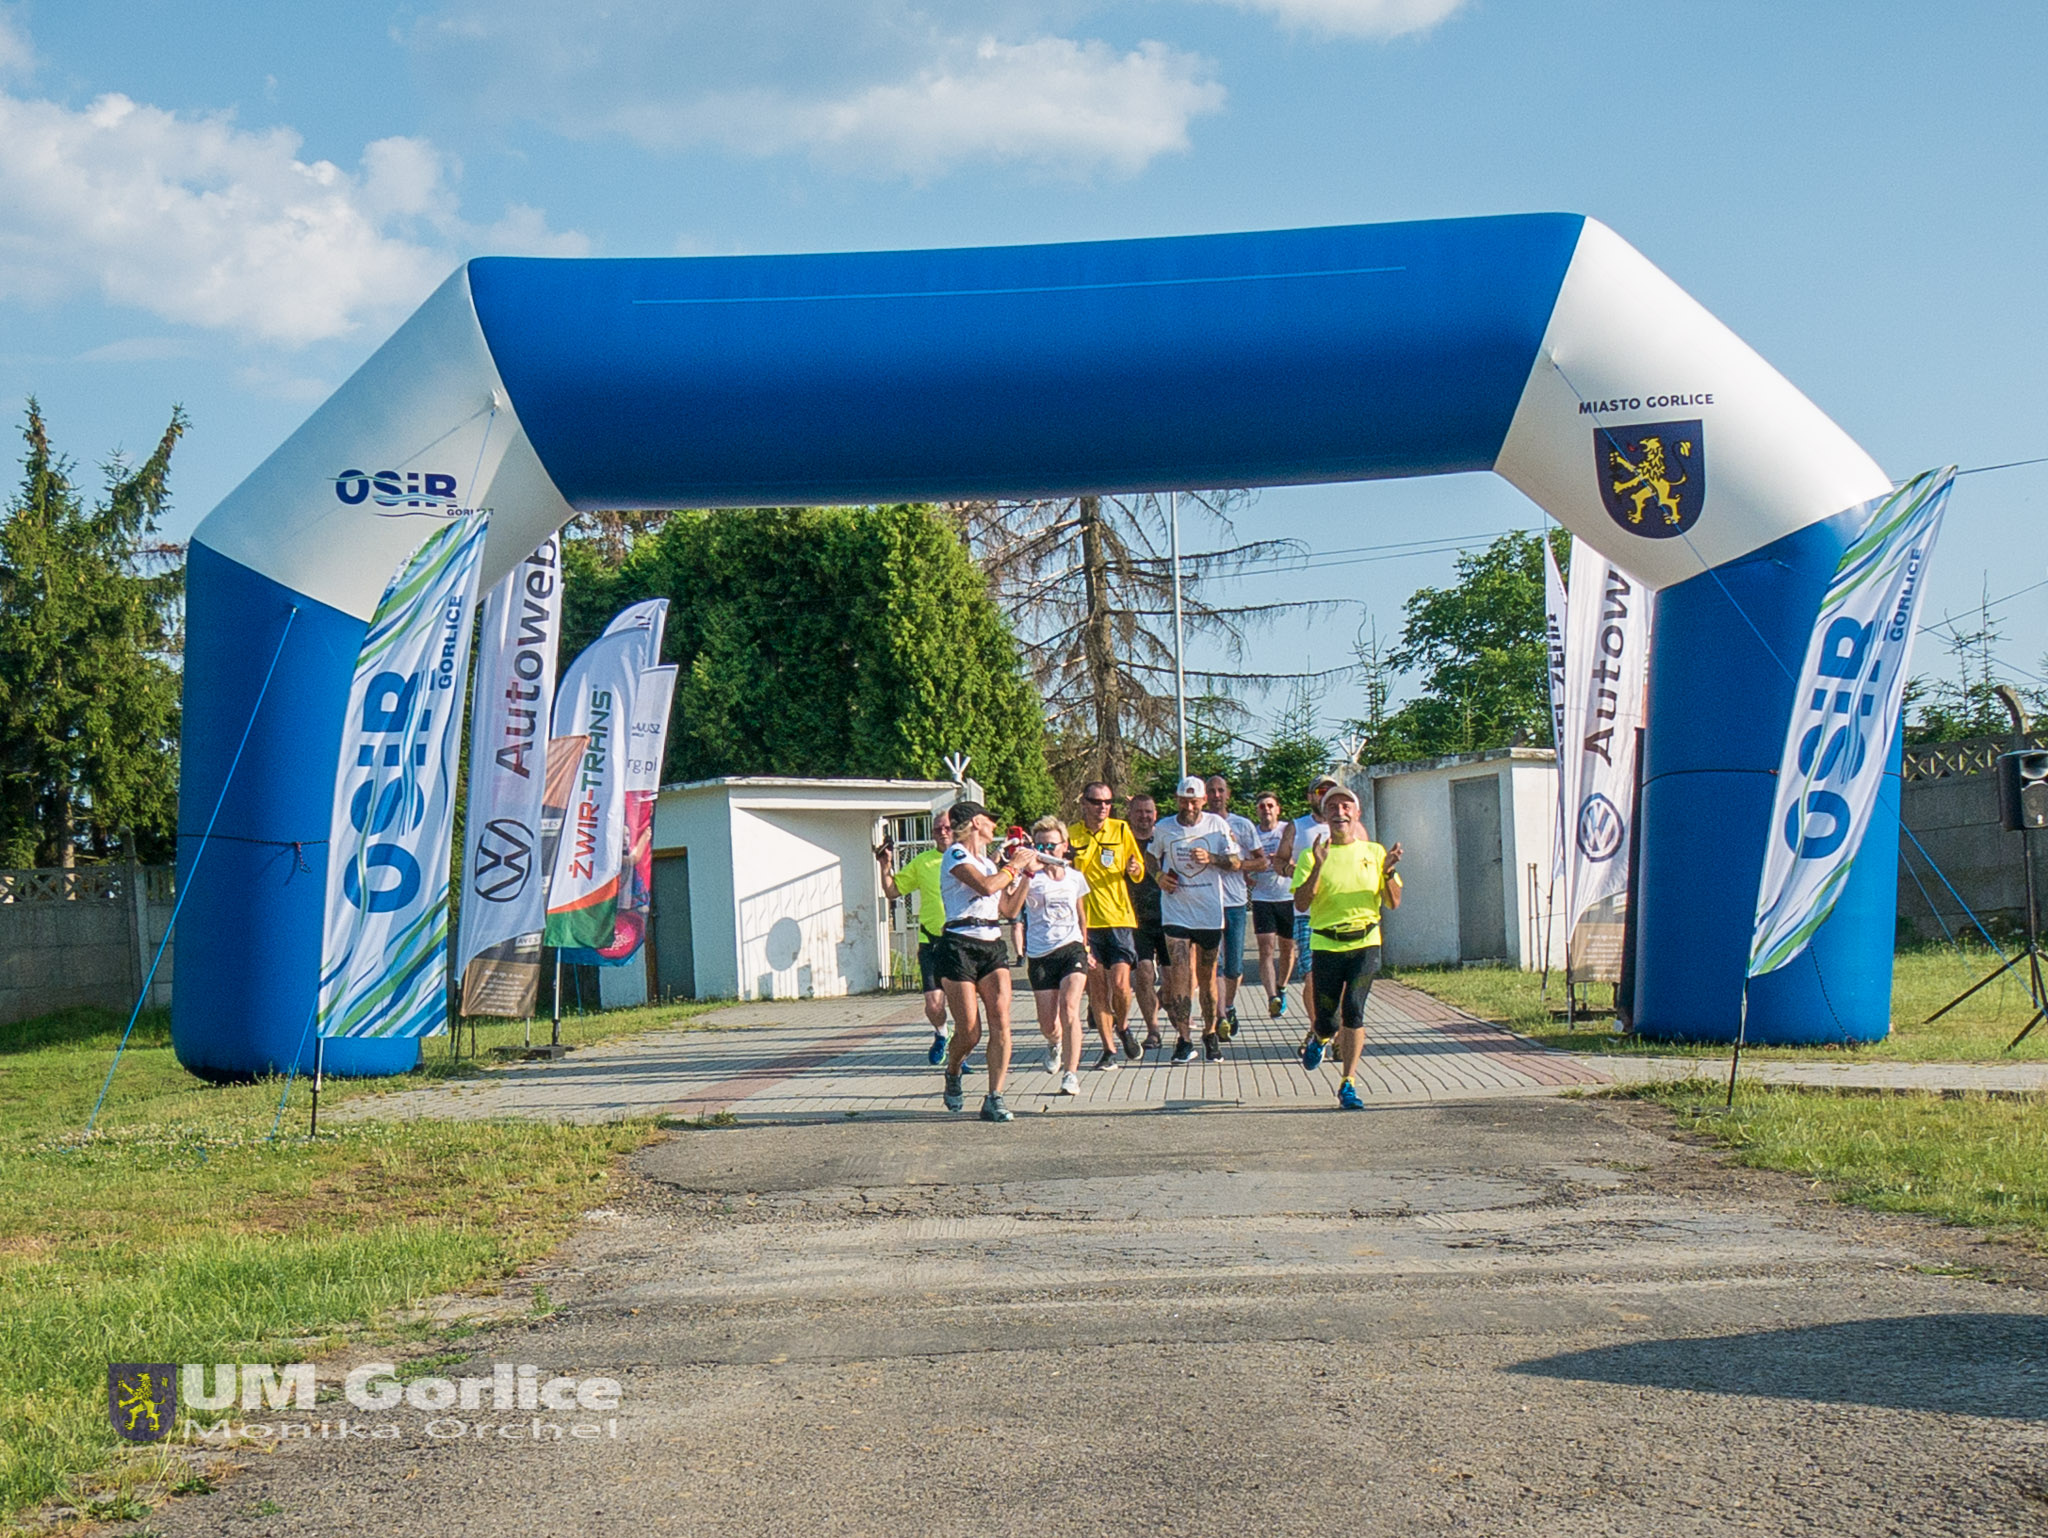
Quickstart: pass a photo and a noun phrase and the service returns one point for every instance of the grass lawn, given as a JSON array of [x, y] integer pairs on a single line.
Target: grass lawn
[[1922, 981], [180, 1232], [1972, 1160]]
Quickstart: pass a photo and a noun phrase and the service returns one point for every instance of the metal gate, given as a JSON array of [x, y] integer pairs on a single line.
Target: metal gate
[[912, 836]]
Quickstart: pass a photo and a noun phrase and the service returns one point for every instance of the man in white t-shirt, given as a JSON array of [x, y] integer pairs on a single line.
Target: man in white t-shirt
[[1195, 849], [1236, 901]]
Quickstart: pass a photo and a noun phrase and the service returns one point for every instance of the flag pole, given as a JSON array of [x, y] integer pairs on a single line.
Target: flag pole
[[1741, 1035], [319, 1065], [1180, 686]]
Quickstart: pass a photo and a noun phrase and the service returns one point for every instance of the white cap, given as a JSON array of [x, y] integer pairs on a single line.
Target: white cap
[[1195, 786]]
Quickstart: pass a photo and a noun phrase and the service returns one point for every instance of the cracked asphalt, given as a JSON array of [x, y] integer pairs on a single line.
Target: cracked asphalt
[[1543, 1316]]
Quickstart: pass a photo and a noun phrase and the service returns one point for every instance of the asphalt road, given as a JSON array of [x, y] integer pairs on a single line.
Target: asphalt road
[[1519, 1316]]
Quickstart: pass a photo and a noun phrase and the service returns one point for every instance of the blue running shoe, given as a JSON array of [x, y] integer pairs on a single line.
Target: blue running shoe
[[956, 1093], [1312, 1053], [1349, 1098], [937, 1055]]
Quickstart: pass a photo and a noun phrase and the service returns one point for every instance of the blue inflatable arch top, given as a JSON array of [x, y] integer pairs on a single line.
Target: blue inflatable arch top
[[539, 387]]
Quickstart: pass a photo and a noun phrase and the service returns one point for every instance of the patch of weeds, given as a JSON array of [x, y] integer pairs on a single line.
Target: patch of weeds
[[542, 1307], [120, 1507], [194, 1484], [708, 1123], [266, 1508]]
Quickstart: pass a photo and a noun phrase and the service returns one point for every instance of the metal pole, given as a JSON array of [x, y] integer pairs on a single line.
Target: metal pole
[[1741, 1035], [1180, 683], [2036, 989], [319, 1063], [556, 1040]]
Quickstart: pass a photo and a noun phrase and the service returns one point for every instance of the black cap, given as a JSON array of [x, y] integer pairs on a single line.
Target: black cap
[[964, 812]]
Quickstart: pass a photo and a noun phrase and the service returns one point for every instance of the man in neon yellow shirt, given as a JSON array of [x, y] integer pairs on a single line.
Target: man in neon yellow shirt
[[1111, 858], [1343, 884], [920, 874]]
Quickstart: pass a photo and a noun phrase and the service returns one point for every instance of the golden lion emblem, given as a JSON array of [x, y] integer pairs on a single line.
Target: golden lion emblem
[[1648, 481]]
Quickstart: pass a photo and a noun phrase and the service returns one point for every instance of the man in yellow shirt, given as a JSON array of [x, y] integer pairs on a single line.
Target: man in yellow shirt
[[1343, 884], [1111, 858], [920, 874]]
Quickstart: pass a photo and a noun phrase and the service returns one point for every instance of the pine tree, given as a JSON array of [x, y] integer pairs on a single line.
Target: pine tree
[[90, 625], [1087, 585]]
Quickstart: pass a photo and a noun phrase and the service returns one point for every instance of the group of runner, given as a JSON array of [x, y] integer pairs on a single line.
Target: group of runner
[[1152, 911]]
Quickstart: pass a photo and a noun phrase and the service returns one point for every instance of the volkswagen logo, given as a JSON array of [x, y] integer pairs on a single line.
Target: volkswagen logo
[[1600, 828], [504, 860]]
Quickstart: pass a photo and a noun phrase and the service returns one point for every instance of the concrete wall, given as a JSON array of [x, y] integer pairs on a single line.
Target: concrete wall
[[1955, 819], [81, 937], [1410, 804], [702, 824]]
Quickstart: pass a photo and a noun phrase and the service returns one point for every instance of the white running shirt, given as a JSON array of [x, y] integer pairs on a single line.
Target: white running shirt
[[1052, 911], [1198, 903], [1270, 886], [1246, 832], [968, 913]]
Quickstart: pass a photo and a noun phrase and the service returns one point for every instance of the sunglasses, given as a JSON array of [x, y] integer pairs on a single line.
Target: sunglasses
[[1097, 801], [1047, 848]]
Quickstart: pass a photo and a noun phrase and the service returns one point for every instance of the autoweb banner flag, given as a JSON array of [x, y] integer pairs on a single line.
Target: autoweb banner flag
[[595, 701], [384, 947], [1845, 712], [503, 894], [1554, 611], [1606, 675]]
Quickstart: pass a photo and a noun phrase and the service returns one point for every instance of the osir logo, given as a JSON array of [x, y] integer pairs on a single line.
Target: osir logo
[[504, 860], [1653, 476]]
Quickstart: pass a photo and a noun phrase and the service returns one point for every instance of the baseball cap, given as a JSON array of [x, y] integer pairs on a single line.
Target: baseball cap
[[1194, 785], [964, 812], [1324, 779]]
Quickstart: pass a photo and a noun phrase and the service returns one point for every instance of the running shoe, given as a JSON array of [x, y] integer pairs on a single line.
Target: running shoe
[[1152, 1041], [1052, 1058], [1070, 1083], [937, 1055], [1348, 1096], [993, 1109], [1229, 1023], [1278, 1006], [1183, 1051], [1212, 1046], [1107, 1061], [1131, 1048], [1312, 1052], [956, 1093]]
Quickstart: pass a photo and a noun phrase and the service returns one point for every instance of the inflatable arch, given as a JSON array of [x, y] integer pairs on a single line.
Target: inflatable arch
[[538, 387]]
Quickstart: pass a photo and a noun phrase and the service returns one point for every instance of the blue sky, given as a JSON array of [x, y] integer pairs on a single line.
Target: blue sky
[[231, 206]]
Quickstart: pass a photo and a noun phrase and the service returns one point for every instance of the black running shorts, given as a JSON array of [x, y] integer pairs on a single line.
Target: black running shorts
[[1274, 918], [963, 959], [928, 962], [1151, 946], [1055, 967], [1203, 939], [1112, 947]]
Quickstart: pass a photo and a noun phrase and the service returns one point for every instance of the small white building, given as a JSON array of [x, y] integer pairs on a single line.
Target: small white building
[[767, 888], [1476, 831]]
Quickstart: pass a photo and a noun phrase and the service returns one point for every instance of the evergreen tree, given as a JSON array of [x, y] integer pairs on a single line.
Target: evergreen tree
[[90, 619], [827, 642]]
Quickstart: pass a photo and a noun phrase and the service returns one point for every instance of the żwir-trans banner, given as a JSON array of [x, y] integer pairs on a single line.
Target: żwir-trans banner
[[384, 946]]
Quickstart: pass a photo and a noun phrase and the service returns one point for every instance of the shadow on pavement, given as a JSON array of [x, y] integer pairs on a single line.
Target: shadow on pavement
[[1966, 1364]]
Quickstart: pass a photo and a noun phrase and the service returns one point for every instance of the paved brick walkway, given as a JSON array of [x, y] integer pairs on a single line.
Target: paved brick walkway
[[834, 1057]]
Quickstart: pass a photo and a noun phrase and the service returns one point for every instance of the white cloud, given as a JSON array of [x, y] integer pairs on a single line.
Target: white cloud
[[1051, 102], [200, 222], [892, 87], [1355, 18], [17, 57]]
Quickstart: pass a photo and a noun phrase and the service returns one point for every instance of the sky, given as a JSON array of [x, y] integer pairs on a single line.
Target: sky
[[230, 207]]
